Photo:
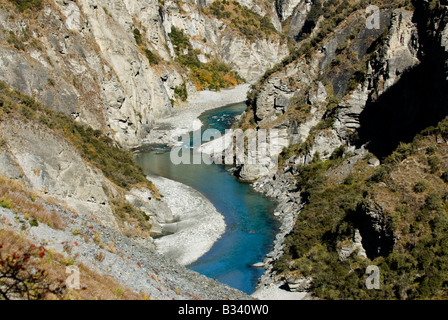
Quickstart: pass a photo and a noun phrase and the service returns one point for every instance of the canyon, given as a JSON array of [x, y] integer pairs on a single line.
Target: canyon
[[362, 155]]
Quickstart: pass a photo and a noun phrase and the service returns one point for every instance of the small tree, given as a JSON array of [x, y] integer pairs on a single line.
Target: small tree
[[22, 278]]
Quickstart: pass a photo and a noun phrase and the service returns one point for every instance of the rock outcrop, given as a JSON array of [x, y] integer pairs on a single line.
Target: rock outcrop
[[295, 97], [355, 95], [82, 58]]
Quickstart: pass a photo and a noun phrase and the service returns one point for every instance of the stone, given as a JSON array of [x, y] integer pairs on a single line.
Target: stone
[[374, 162], [258, 265], [299, 284]]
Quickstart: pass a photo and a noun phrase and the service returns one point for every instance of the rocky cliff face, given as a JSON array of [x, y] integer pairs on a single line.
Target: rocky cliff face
[[107, 70], [293, 14], [354, 100], [299, 96], [213, 38], [82, 58], [67, 56]]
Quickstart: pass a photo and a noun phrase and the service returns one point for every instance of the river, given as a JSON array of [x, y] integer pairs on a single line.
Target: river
[[250, 224]]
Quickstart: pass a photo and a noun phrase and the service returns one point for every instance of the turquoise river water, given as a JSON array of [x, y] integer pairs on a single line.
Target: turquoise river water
[[250, 224]]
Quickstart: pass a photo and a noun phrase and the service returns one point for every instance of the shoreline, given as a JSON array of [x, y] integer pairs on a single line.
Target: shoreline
[[198, 224], [185, 117], [271, 286]]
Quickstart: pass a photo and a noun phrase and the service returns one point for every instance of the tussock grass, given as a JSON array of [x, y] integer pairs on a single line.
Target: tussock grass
[[14, 196], [94, 286]]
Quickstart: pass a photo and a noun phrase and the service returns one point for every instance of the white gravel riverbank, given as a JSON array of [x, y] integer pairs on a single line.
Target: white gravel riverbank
[[198, 224], [184, 117]]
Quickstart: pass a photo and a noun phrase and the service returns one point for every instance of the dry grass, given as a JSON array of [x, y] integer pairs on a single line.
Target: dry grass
[[13, 195], [94, 286], [398, 195]]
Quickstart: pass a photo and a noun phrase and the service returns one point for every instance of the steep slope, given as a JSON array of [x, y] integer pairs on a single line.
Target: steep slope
[[67, 190], [81, 82], [358, 184], [113, 65]]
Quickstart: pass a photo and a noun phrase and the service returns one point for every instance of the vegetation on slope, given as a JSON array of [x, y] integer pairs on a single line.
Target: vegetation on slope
[[240, 18], [153, 58], [212, 75], [30, 271], [14, 196], [116, 164], [410, 190], [23, 5]]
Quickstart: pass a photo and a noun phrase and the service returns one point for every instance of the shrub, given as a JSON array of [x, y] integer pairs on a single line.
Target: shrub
[[211, 75], [434, 201], [34, 223], [22, 278], [126, 212], [380, 174], [431, 149], [444, 176], [180, 40], [5, 203], [181, 92], [17, 42], [94, 146], [22, 5], [421, 186], [338, 152], [434, 162], [137, 36], [152, 57]]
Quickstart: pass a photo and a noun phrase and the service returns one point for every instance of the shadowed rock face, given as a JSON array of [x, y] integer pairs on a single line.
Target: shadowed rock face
[[416, 101], [375, 230]]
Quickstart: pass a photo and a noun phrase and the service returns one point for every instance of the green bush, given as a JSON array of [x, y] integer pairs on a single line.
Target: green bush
[[22, 5], [17, 42], [152, 57], [434, 201], [434, 162], [5, 203], [125, 211], [137, 36], [212, 75], [444, 176], [421, 186], [181, 92], [34, 223], [179, 40]]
